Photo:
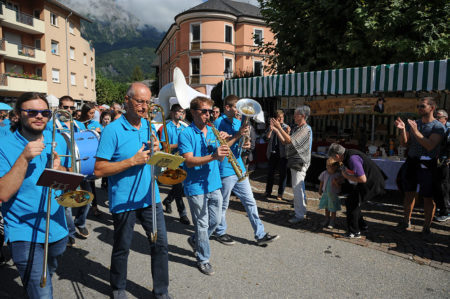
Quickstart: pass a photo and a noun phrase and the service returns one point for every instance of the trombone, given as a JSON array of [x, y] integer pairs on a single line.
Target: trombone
[[76, 198]]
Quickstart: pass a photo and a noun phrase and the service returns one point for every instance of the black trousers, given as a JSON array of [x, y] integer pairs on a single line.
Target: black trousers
[[355, 220], [276, 163], [176, 193], [442, 188]]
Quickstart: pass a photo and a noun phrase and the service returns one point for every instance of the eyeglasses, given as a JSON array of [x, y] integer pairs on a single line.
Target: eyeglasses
[[421, 106], [69, 107], [33, 113], [204, 111], [141, 102], [216, 112]]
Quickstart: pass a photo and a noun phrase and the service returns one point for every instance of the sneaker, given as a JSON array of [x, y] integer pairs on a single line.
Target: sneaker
[[402, 227], [266, 239], [83, 231], [119, 294], [205, 268], [185, 220], [442, 218], [168, 207], [71, 242], [191, 242], [331, 224], [295, 220], [225, 239], [325, 222], [350, 235]]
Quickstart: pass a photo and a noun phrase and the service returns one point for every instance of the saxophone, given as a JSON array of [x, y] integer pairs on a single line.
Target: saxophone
[[231, 158]]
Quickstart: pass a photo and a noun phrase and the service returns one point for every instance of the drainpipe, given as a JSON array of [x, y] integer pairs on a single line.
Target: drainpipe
[[67, 56]]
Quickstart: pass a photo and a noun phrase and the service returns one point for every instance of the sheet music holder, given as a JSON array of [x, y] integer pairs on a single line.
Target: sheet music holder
[[162, 159], [60, 180]]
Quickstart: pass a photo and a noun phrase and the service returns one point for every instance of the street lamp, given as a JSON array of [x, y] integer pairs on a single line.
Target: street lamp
[[228, 73]]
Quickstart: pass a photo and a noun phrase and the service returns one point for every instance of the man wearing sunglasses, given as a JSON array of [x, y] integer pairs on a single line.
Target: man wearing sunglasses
[[66, 103], [422, 137], [230, 124], [202, 151], [24, 154]]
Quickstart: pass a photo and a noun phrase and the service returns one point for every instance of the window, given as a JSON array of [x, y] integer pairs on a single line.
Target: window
[[85, 82], [92, 84], [55, 47], [228, 64], [85, 58], [13, 68], [55, 75], [37, 44], [73, 80], [53, 19], [71, 28], [258, 36], [72, 53], [37, 13], [195, 70], [195, 36], [39, 72], [174, 45], [228, 34], [257, 68]]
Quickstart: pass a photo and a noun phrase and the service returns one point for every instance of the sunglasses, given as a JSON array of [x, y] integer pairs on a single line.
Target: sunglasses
[[421, 106], [33, 113], [69, 107], [204, 111]]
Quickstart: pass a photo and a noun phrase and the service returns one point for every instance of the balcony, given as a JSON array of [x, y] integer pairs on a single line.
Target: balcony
[[24, 53], [20, 21], [20, 85]]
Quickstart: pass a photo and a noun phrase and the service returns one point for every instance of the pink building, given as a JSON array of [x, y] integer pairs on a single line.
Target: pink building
[[212, 39]]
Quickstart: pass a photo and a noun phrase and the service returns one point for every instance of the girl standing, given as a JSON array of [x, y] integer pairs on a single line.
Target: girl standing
[[329, 189]]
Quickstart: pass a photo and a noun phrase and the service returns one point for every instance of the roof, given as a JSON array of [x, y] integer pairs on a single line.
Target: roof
[[60, 5], [238, 9]]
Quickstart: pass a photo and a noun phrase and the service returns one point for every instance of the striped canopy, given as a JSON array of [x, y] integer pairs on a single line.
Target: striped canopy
[[413, 76]]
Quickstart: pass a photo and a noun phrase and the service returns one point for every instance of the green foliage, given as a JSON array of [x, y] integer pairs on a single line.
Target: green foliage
[[327, 34], [137, 74], [109, 91]]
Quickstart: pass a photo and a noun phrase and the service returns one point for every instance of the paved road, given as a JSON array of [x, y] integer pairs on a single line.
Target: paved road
[[299, 265]]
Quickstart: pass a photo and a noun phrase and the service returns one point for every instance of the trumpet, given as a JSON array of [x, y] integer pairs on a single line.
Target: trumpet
[[70, 199], [231, 158]]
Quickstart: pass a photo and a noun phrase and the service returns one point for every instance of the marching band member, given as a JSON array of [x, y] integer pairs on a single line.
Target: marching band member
[[198, 145], [122, 156], [66, 103], [174, 128], [228, 122], [87, 117], [24, 154]]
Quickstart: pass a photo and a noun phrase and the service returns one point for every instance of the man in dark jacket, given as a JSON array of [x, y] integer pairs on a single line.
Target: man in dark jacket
[[367, 180]]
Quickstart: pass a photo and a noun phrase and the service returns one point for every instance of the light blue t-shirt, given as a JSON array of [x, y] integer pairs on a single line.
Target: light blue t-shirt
[[205, 178], [130, 189], [173, 131], [223, 124], [4, 129], [92, 125], [25, 212]]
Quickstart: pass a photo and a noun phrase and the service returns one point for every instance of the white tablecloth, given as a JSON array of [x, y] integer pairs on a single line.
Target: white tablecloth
[[390, 168]]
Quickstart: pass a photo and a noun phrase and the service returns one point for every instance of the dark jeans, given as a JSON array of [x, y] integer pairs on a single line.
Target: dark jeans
[[276, 163], [123, 234], [79, 213], [28, 258], [355, 220], [442, 188], [176, 193]]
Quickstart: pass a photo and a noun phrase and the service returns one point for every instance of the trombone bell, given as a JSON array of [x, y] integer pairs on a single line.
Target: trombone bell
[[172, 176], [75, 199]]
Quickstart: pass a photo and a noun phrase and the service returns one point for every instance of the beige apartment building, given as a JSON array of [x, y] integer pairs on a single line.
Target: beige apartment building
[[42, 50], [213, 40]]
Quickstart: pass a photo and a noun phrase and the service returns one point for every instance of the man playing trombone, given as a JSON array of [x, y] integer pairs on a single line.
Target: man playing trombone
[[122, 156], [228, 122], [24, 155]]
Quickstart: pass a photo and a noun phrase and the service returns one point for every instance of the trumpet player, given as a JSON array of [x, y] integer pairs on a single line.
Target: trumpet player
[[200, 147], [230, 180], [24, 155], [122, 156]]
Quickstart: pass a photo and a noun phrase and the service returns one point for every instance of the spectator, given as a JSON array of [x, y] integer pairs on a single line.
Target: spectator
[[215, 114], [442, 196], [106, 117]]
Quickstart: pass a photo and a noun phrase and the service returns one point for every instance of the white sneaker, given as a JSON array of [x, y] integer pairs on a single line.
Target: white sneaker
[[295, 220], [331, 224]]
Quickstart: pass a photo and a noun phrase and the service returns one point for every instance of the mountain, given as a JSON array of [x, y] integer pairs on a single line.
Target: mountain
[[120, 42]]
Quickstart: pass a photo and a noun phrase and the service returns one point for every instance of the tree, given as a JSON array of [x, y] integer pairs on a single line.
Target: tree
[[137, 74], [109, 91], [314, 35]]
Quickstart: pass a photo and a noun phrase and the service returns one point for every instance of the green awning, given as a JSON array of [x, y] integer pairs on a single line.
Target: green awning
[[414, 76]]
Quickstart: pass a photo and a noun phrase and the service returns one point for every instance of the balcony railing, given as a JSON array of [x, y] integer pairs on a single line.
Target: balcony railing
[[26, 51], [24, 18], [3, 80]]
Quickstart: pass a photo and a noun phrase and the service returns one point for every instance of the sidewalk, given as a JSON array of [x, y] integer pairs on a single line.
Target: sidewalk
[[382, 216]]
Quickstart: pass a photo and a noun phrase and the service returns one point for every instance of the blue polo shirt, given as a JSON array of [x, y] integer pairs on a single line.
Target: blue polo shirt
[[130, 189], [223, 124], [25, 212], [173, 131], [205, 178], [4, 129], [92, 125], [76, 128]]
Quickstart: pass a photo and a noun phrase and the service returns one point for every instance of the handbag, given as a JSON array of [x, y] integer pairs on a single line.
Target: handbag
[[295, 162]]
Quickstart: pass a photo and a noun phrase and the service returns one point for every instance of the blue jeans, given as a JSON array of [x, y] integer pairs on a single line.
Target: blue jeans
[[206, 215], [123, 235], [244, 192], [29, 257]]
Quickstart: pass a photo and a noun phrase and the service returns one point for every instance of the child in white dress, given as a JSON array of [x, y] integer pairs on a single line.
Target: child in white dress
[[329, 189]]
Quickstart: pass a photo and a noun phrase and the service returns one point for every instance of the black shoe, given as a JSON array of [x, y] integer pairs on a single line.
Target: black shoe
[[350, 235], [2, 260], [168, 207], [205, 268], [225, 239], [71, 242], [266, 239], [185, 220], [83, 232]]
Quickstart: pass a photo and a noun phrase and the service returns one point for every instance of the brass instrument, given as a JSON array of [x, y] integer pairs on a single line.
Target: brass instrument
[[70, 199], [231, 158], [247, 108]]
